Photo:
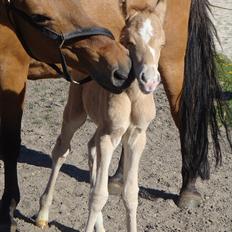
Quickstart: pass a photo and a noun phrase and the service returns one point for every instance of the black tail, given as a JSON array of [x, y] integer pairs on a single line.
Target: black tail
[[200, 106]]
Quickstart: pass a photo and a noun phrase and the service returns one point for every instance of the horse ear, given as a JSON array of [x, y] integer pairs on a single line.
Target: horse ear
[[131, 14], [161, 9]]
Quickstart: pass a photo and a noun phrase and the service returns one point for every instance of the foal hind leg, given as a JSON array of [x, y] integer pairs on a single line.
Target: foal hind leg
[[133, 146], [74, 116]]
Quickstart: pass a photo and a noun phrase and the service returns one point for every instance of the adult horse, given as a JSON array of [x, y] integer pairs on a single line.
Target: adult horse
[[188, 74], [51, 32]]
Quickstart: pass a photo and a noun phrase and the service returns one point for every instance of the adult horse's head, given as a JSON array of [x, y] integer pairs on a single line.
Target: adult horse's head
[[42, 27], [144, 36]]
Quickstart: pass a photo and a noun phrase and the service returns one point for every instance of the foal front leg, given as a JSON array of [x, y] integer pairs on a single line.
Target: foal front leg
[[116, 181], [133, 148], [74, 116], [105, 145], [92, 151]]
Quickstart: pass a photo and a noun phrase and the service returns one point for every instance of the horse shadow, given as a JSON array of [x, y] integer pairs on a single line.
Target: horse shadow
[[40, 159], [58, 225], [155, 194]]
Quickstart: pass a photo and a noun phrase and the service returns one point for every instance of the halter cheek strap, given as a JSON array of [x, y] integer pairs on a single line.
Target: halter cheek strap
[[61, 39]]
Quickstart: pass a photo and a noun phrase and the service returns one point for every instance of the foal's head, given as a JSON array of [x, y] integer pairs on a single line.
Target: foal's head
[[105, 59], [145, 37]]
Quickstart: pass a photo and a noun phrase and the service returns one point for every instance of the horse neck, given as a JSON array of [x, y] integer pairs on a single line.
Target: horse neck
[[93, 11]]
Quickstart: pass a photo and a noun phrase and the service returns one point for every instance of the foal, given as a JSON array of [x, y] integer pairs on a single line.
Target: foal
[[124, 117]]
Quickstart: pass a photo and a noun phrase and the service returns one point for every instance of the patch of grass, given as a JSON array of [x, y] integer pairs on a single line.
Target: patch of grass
[[224, 66]]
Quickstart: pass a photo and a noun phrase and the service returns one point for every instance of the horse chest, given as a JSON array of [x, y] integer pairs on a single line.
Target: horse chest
[[143, 111]]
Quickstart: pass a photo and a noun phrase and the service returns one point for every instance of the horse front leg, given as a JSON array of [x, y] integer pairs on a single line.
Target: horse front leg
[[11, 115]]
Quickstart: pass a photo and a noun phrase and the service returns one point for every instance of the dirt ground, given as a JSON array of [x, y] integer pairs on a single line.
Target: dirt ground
[[159, 170]]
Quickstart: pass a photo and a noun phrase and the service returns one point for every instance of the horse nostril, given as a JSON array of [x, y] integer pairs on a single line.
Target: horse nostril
[[119, 76]]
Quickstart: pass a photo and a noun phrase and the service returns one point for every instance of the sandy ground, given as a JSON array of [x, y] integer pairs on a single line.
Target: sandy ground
[[159, 169]]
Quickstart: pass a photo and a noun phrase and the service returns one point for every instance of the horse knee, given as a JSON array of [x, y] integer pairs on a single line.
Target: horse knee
[[130, 198], [98, 200]]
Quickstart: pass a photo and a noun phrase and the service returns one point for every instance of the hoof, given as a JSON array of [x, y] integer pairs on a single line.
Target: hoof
[[42, 224], [115, 187], [189, 200]]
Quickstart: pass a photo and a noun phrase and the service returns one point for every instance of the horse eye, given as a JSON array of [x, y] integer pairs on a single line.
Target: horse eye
[[37, 18], [131, 44]]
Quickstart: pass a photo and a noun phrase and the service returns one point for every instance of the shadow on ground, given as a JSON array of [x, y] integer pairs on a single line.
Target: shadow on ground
[[154, 194], [39, 159], [56, 224]]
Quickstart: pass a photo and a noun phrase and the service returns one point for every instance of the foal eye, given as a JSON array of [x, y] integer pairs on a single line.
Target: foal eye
[[37, 18]]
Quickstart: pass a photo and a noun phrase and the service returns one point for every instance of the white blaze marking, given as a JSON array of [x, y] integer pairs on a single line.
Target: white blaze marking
[[152, 51], [146, 31]]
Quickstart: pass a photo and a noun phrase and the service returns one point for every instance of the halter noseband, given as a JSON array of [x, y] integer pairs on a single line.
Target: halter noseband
[[61, 39]]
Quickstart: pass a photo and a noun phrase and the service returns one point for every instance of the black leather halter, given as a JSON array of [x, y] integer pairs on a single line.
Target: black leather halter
[[61, 39]]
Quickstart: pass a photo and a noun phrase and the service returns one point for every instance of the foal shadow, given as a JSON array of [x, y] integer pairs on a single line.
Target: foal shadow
[[39, 159], [154, 194], [56, 224]]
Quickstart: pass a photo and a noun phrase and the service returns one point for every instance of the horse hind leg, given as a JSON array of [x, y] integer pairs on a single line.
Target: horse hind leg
[[173, 82], [73, 118]]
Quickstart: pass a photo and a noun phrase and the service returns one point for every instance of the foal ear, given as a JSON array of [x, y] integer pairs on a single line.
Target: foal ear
[[131, 14], [161, 9]]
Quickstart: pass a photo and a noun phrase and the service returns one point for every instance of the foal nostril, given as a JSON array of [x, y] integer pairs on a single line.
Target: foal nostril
[[143, 77], [119, 76], [158, 77]]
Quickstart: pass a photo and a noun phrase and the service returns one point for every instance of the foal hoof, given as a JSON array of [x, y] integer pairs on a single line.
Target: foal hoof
[[42, 224], [189, 200], [115, 187]]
